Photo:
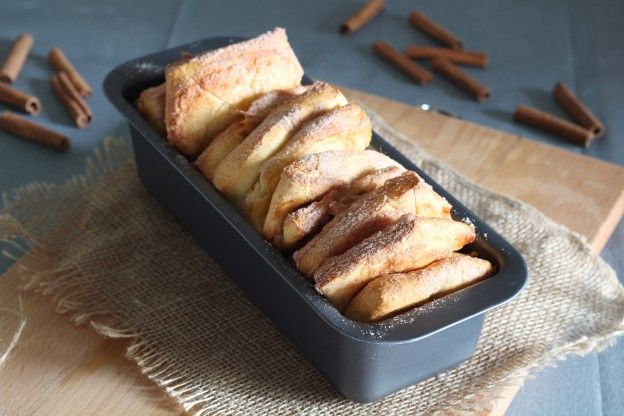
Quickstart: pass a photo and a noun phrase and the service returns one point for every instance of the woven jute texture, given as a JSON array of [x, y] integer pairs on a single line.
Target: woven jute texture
[[122, 264]]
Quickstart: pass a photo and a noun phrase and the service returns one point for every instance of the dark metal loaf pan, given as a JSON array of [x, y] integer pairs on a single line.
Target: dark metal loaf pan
[[365, 362]]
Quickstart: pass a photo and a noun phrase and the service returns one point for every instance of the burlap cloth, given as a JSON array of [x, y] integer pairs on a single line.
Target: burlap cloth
[[122, 264]]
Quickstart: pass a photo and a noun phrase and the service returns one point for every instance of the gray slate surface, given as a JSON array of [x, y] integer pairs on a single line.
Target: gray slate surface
[[532, 45]]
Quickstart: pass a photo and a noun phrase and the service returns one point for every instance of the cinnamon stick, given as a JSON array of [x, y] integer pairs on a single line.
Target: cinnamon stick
[[77, 107], [472, 58], [58, 60], [71, 90], [553, 124], [402, 62], [435, 30], [455, 74], [362, 17], [13, 96], [22, 127], [577, 109], [13, 63]]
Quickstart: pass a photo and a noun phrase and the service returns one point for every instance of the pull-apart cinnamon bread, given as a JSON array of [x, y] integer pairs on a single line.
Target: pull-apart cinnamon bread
[[374, 238]]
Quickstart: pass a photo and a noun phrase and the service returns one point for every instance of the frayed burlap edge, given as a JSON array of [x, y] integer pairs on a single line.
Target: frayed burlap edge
[[58, 284]]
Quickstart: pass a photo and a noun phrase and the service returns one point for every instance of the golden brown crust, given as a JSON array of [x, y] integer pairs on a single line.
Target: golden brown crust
[[235, 133], [312, 176], [341, 128], [224, 143], [151, 104], [204, 92], [237, 173], [389, 294], [408, 244], [263, 105], [366, 216]]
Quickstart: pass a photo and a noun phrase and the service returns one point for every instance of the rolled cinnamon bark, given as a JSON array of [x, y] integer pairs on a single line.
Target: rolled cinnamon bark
[[454, 74], [13, 96], [58, 60], [435, 30], [13, 63], [22, 127], [67, 94], [553, 124], [577, 109], [472, 58], [71, 90], [362, 17], [402, 62]]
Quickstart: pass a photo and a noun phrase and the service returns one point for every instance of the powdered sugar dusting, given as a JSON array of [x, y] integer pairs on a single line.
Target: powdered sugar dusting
[[181, 159], [145, 67], [468, 221], [275, 39], [379, 330]]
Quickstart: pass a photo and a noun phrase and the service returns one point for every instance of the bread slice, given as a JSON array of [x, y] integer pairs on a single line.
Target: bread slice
[[342, 128], [235, 133], [306, 221], [151, 104], [389, 294], [237, 173], [312, 176], [204, 92], [369, 214], [427, 203], [409, 243]]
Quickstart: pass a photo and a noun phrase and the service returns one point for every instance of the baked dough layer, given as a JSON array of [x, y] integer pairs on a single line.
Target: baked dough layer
[[151, 104], [389, 294], [204, 92]]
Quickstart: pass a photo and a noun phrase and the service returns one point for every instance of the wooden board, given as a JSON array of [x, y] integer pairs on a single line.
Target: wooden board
[[60, 369]]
